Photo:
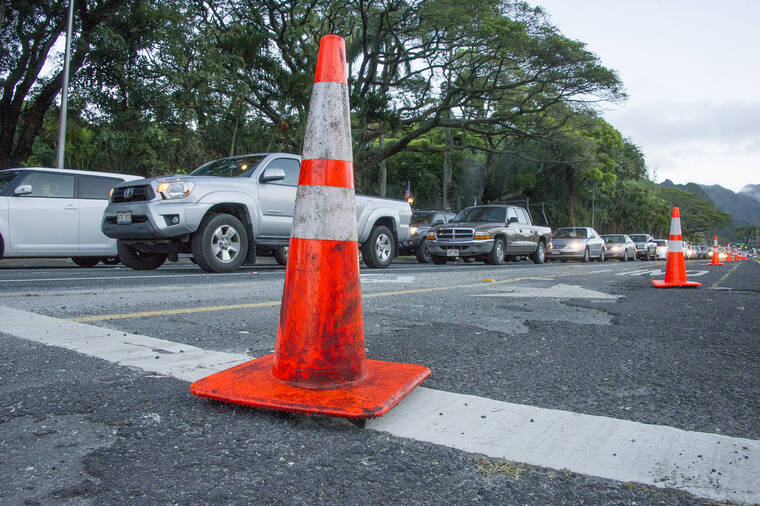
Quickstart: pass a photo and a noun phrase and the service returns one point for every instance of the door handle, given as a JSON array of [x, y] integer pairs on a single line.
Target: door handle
[[274, 211], [70, 207]]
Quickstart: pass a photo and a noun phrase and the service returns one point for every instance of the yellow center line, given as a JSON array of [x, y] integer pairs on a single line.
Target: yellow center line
[[726, 275], [165, 312]]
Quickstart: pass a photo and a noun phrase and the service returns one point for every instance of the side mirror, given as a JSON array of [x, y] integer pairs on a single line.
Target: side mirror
[[24, 189], [512, 219], [272, 175]]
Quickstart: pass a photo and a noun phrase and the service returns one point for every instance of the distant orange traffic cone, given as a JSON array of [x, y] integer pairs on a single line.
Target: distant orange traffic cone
[[729, 256], [675, 270], [319, 364], [716, 253]]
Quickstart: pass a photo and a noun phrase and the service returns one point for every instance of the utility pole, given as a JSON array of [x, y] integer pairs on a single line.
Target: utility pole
[[65, 89]]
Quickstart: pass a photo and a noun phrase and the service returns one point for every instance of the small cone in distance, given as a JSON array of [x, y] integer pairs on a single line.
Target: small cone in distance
[[319, 365], [675, 269], [716, 253]]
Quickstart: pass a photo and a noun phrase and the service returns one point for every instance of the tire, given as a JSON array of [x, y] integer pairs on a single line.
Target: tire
[[437, 260], [539, 256], [625, 256], [281, 255], [422, 252], [86, 261], [496, 256], [110, 260], [379, 248], [586, 256], [220, 244], [137, 260], [602, 256]]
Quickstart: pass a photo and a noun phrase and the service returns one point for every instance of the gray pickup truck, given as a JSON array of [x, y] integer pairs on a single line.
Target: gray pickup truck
[[227, 211], [490, 233]]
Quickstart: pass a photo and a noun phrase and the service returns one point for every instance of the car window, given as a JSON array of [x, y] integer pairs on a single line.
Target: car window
[[6, 177], [237, 166], [485, 213], [50, 184], [614, 239], [522, 216], [438, 219], [639, 238], [421, 218], [290, 166], [570, 233], [96, 187]]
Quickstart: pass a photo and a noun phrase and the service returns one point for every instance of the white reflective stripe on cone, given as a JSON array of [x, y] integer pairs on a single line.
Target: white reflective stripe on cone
[[675, 246], [326, 213], [328, 127], [675, 226]]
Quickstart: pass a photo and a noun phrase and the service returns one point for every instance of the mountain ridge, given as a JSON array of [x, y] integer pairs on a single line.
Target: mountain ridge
[[744, 206]]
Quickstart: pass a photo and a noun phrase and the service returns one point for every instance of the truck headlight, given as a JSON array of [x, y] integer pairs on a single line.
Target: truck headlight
[[412, 230], [574, 245], [175, 189], [430, 235], [482, 235]]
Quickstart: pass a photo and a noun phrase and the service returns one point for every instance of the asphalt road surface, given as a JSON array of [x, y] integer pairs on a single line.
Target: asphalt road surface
[[558, 383]]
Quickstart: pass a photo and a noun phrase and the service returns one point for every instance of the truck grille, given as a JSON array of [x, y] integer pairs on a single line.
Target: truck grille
[[455, 234], [139, 194]]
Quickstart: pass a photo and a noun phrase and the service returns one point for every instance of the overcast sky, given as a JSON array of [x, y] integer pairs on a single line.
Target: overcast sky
[[691, 69]]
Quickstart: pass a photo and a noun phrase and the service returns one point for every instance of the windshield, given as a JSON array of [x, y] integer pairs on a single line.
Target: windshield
[[422, 218], [661, 242], [238, 166], [6, 177], [570, 233], [639, 238], [614, 239], [486, 213]]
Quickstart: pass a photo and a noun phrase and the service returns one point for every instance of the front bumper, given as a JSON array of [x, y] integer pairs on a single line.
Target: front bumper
[[462, 248], [564, 253], [409, 247], [615, 253], [152, 220]]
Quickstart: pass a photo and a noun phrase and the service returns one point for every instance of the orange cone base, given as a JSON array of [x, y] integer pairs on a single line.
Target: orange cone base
[[252, 384], [675, 284]]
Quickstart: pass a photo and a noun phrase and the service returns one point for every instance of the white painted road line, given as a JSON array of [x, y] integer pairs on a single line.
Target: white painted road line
[[707, 465], [151, 276]]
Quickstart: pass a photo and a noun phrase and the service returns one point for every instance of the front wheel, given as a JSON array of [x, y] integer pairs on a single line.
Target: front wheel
[[138, 260], [379, 248], [220, 244], [110, 260], [85, 261], [423, 252], [498, 253], [281, 255], [539, 256], [586, 255], [602, 256]]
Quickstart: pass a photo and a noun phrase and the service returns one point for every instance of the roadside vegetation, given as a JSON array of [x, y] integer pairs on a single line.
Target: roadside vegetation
[[464, 102]]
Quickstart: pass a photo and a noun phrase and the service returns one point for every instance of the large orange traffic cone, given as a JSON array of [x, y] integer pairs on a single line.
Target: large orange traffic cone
[[675, 270], [319, 365], [716, 253]]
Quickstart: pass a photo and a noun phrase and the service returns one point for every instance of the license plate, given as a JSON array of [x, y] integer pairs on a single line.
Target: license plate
[[452, 252], [123, 217]]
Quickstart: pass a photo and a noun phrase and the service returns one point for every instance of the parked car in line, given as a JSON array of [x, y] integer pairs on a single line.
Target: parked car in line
[[48, 212], [580, 243], [661, 251], [227, 211], [490, 233], [421, 222], [646, 249], [620, 246]]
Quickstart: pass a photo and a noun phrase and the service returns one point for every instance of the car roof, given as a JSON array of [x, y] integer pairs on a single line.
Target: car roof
[[127, 177]]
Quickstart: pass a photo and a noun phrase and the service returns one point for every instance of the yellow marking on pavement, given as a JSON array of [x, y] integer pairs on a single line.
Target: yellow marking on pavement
[[188, 310], [721, 280], [164, 312]]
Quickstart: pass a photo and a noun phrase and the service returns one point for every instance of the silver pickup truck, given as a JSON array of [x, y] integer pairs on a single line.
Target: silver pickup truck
[[489, 233], [227, 211]]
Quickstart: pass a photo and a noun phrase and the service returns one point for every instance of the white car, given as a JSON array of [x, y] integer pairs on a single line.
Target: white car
[[56, 213]]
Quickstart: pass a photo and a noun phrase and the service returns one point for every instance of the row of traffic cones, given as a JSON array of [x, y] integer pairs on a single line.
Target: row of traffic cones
[[675, 270]]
